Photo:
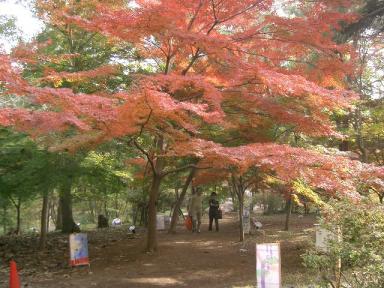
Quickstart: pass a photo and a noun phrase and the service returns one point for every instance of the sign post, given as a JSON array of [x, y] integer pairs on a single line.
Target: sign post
[[323, 242], [323, 236], [268, 265], [246, 221], [160, 222], [78, 247]]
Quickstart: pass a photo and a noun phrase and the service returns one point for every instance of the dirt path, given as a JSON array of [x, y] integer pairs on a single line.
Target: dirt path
[[208, 259]]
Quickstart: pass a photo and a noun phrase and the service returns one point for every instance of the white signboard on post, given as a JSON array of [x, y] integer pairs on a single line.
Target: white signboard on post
[[160, 222], [268, 265], [246, 221], [323, 236]]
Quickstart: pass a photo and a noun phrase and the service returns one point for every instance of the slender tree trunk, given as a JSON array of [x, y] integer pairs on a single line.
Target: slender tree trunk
[[357, 125], [48, 213], [232, 192], [18, 223], [92, 214], [117, 209], [238, 188], [5, 219], [44, 222], [143, 213], [52, 215], [134, 215], [252, 204], [66, 208], [152, 211], [241, 211], [105, 204], [288, 209], [59, 216], [180, 199], [153, 196], [173, 204], [306, 208]]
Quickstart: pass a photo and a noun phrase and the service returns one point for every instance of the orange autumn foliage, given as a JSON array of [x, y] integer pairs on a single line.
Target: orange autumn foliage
[[234, 64]]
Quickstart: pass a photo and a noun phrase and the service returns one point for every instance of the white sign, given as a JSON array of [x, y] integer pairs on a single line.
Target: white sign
[[167, 221], [160, 222], [268, 265], [323, 236], [246, 221]]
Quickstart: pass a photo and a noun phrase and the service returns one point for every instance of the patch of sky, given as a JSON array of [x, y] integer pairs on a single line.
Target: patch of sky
[[27, 24]]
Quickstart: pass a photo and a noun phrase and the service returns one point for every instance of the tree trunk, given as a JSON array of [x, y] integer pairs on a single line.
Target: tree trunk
[[153, 195], [173, 204], [241, 211], [252, 204], [52, 213], [134, 216], [5, 219], [66, 208], [232, 192], [59, 216], [92, 214], [117, 208], [264, 202], [152, 211], [238, 188], [44, 222], [18, 218], [288, 209], [306, 208], [358, 124], [105, 205], [143, 215], [180, 199]]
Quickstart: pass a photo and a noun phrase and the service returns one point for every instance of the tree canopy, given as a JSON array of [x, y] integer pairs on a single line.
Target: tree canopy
[[224, 78]]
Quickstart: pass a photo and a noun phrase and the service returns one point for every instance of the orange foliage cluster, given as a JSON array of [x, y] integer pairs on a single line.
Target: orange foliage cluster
[[53, 77], [29, 53], [336, 175], [219, 62]]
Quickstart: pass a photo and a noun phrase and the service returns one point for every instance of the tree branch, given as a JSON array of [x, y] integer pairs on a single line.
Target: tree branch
[[193, 59], [165, 173], [196, 55], [146, 121], [195, 15], [240, 12], [150, 161], [13, 201]]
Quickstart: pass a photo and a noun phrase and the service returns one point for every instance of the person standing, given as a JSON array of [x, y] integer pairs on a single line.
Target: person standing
[[195, 209], [213, 211]]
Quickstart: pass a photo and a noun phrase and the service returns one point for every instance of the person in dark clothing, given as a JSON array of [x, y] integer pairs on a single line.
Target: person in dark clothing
[[213, 211], [102, 221]]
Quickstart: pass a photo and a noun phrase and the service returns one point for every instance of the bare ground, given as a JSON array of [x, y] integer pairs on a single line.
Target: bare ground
[[208, 259]]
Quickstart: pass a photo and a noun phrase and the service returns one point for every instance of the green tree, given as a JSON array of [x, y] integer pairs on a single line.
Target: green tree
[[355, 256]]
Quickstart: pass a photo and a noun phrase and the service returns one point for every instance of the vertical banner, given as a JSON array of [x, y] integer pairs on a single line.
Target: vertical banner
[[268, 265], [78, 247]]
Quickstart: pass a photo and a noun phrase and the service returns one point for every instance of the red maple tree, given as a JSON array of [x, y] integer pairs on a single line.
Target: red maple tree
[[234, 66]]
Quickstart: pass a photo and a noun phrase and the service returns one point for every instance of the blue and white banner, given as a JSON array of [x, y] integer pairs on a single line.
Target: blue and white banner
[[78, 247], [268, 265]]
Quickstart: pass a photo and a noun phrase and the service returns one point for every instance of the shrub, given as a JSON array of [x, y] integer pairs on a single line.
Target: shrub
[[359, 248]]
